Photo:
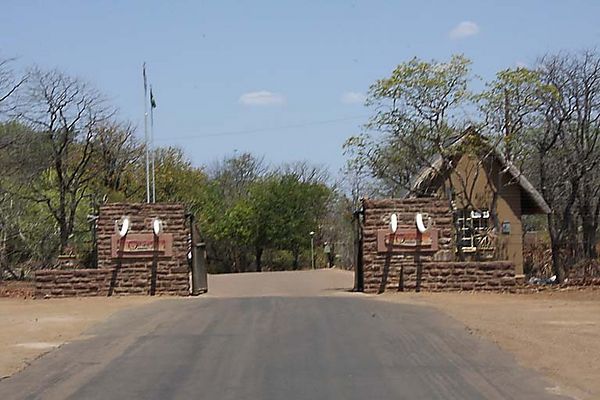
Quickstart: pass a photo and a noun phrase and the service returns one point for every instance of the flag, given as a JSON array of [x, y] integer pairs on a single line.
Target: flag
[[145, 80], [152, 101]]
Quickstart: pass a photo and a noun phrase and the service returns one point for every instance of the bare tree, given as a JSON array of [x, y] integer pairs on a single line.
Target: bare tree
[[567, 154], [585, 145], [8, 88], [305, 172], [235, 174], [8, 83], [69, 113], [117, 150]]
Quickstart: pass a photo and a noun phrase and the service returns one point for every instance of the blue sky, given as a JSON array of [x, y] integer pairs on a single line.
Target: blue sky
[[280, 79]]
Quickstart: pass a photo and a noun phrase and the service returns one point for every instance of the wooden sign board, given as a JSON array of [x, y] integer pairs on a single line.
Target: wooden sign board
[[142, 245], [407, 240]]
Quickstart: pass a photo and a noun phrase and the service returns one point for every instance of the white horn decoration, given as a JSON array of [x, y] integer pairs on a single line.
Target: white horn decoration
[[157, 226], [394, 223], [124, 226], [420, 224]]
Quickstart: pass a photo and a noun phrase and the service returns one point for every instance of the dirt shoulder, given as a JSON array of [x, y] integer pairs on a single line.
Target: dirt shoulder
[[17, 289], [30, 328], [555, 333]]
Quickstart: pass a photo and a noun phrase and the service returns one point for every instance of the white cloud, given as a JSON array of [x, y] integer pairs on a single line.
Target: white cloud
[[261, 98], [464, 29], [521, 64], [352, 98]]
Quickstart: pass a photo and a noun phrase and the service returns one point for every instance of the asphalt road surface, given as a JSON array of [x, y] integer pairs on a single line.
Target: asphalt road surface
[[279, 336]]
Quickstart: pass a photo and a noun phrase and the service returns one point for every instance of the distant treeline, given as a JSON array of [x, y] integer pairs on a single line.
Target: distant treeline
[[64, 152]]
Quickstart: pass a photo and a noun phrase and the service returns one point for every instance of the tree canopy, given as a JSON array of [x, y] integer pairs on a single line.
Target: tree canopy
[[544, 119]]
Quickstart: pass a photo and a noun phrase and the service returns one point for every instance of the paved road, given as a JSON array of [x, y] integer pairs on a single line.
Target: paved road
[[267, 341]]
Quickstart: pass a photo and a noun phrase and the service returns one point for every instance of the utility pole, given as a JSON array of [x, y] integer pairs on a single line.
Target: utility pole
[[507, 126], [312, 249]]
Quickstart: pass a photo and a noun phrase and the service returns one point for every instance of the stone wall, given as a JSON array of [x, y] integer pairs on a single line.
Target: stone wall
[[106, 282], [417, 269], [444, 277], [584, 274], [583, 282], [153, 274]]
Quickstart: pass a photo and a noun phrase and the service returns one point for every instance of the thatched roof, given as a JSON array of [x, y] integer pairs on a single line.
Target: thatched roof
[[428, 181]]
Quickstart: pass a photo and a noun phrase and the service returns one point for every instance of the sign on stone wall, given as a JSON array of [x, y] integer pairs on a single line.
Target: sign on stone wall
[[407, 240], [142, 245]]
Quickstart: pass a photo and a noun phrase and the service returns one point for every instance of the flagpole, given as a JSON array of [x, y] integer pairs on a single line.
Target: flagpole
[[146, 133], [153, 155]]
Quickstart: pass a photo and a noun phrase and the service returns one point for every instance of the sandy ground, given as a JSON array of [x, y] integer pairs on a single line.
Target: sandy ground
[[555, 333], [30, 328]]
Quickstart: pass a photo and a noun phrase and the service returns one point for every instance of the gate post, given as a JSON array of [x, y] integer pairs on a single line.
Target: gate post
[[198, 264], [199, 278], [359, 283]]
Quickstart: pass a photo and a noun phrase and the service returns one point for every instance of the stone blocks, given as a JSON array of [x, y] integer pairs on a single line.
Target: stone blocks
[[127, 276], [437, 271]]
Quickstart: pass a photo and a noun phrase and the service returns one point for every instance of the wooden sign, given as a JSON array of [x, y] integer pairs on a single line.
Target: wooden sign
[[142, 245], [407, 240]]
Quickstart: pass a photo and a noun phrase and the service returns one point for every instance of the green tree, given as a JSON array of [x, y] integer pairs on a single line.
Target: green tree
[[296, 209], [511, 106], [176, 179], [224, 204], [417, 112]]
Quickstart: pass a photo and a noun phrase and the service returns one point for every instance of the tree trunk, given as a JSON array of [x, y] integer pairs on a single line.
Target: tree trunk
[[557, 262], [331, 255], [296, 255], [589, 223], [589, 240], [259, 253], [3, 256], [64, 236]]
